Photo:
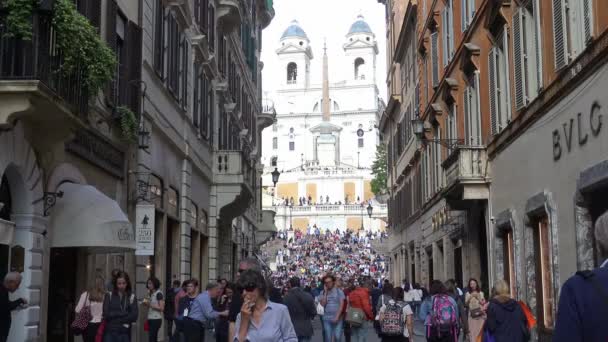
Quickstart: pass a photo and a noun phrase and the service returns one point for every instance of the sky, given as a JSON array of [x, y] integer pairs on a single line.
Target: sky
[[322, 19]]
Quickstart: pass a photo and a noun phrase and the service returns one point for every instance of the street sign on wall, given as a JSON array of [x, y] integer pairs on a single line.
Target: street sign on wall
[[144, 229]]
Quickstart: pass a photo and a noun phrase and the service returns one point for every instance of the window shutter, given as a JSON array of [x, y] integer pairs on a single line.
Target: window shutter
[[518, 43], [196, 96], [110, 29], [444, 36], [434, 59], [94, 12], [559, 34], [463, 15], [538, 65], [134, 48], [467, 115], [451, 28], [588, 19], [477, 113], [493, 96], [506, 78]]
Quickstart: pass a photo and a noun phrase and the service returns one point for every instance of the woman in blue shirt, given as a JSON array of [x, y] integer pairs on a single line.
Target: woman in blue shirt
[[261, 320]]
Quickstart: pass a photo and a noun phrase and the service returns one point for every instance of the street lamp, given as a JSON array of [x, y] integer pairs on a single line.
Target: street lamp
[[275, 176], [370, 209], [362, 206], [144, 137], [290, 216], [419, 130]]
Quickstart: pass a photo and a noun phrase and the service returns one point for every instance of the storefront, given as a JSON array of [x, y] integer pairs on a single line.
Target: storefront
[[549, 186]]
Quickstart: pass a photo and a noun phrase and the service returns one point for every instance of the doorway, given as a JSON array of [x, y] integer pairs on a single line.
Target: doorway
[[62, 294], [172, 252], [458, 266], [483, 251], [429, 257]]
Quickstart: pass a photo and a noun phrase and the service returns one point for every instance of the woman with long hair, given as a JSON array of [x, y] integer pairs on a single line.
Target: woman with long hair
[[93, 299], [223, 303], [119, 310], [261, 320], [475, 302], [156, 306]]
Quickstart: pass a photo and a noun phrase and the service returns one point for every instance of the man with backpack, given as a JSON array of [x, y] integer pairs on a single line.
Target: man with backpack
[[440, 315], [301, 308], [582, 313], [396, 322]]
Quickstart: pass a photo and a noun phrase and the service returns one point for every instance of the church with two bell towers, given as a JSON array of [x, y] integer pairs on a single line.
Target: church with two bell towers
[[324, 139]]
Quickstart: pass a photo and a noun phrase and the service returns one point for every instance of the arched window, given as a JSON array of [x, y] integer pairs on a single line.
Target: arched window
[[273, 161], [292, 73], [358, 69]]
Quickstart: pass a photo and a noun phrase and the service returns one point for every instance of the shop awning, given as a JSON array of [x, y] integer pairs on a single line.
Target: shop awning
[[7, 230], [85, 217]]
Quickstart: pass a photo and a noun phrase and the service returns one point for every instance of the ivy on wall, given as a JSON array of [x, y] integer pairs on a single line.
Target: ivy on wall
[[128, 123]]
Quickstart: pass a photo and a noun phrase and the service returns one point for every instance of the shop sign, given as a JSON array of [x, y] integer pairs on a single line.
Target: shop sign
[[577, 131], [144, 229]]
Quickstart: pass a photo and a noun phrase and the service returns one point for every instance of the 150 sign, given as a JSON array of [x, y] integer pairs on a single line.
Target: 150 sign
[[582, 128]]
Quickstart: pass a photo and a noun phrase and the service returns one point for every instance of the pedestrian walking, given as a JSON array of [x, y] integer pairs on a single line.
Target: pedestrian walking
[[120, 310], [440, 314], [261, 320], [223, 304], [452, 291], [92, 300], [237, 299], [302, 310], [417, 298], [583, 304], [12, 281], [359, 299], [332, 300], [201, 315], [171, 306], [155, 301], [183, 308], [396, 319], [506, 321], [475, 303]]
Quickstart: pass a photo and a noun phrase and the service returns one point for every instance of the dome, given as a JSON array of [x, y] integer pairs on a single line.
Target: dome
[[360, 26], [294, 30]]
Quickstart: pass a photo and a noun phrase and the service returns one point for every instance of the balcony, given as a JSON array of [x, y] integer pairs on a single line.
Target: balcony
[[266, 13], [232, 179], [229, 14], [268, 115], [182, 10], [467, 174], [32, 87], [266, 228]]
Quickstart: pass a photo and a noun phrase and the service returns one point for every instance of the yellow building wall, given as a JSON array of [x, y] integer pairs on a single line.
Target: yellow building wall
[[311, 190], [288, 190], [349, 191], [367, 190], [300, 223], [353, 223]]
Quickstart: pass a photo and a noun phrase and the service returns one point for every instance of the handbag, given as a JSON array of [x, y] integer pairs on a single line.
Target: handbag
[[147, 325], [476, 313], [355, 316], [100, 331], [320, 309], [82, 318]]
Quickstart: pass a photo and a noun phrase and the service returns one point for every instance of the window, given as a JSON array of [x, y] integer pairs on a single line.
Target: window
[[120, 88], [155, 191], [467, 13], [173, 198], [447, 32], [292, 73], [361, 143], [193, 215], [572, 29], [173, 50], [451, 123], [544, 273], [183, 69], [275, 143], [201, 16], [509, 260], [292, 145], [435, 58], [159, 37], [212, 27], [527, 53], [203, 104], [500, 92], [359, 62], [273, 161], [472, 113]]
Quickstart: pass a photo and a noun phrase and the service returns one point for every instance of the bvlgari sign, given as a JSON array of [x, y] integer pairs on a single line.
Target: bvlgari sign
[[577, 131], [144, 229]]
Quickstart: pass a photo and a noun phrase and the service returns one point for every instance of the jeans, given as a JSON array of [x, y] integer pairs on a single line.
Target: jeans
[[154, 327], [359, 334], [332, 330], [193, 330], [91, 331], [116, 337]]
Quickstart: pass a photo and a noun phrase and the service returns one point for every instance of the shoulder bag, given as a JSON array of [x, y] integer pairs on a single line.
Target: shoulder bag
[[82, 318], [354, 316]]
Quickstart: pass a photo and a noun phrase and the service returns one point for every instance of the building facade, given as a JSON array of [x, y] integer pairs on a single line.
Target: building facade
[[175, 135], [506, 90], [324, 139]]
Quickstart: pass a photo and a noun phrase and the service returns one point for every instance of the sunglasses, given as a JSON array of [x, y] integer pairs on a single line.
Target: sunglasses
[[250, 287]]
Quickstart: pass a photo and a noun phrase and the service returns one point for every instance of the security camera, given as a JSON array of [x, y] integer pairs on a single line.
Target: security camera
[[492, 219]]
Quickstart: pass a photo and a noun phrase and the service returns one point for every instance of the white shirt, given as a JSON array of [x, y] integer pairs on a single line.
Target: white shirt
[[408, 296], [96, 307], [417, 295], [407, 311]]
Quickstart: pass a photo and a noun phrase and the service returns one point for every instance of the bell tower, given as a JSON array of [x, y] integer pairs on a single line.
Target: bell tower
[[294, 55], [361, 49]]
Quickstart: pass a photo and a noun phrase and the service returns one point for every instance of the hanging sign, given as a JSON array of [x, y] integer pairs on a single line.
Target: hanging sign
[[144, 229]]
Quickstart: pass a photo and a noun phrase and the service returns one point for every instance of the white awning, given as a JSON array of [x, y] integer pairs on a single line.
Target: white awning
[[7, 231], [85, 217]]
